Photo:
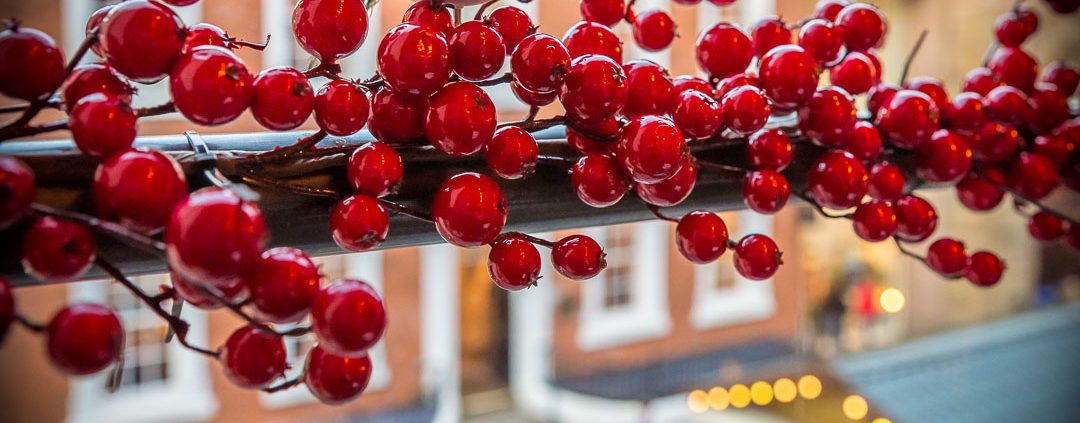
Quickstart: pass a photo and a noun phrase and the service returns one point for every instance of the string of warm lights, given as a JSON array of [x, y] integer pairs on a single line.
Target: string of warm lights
[[783, 390]]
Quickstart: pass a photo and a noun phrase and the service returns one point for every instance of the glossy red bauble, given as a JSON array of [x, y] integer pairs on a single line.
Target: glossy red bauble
[[724, 50], [732, 82], [701, 236], [1032, 176], [252, 358], [435, 16], [670, 191], [349, 317], [837, 180], [212, 235], [142, 40], [651, 149], [283, 98], [932, 87], [822, 40], [768, 33], [210, 86], [649, 89], [539, 63], [469, 210], [1007, 104], [55, 250], [995, 142], [1013, 28], [984, 269], [981, 192], [654, 30], [512, 153], [414, 59], [886, 182], [330, 29], [947, 257], [697, 114], [397, 118], [745, 109], [880, 95], [578, 257], [828, 9], [283, 282], [31, 64], [1014, 66], [359, 223], [476, 51], [765, 191], [874, 221], [1063, 75], [460, 119], [855, 73], [908, 119], [512, 24], [604, 12], [757, 257], [336, 379], [83, 339], [863, 26], [598, 180], [980, 81], [966, 113], [769, 149], [374, 169], [1048, 108], [341, 108], [592, 38], [101, 125], [513, 263], [1058, 148], [595, 88], [864, 141], [789, 76], [827, 117], [93, 78], [17, 190], [946, 157], [204, 34], [138, 189], [916, 218]]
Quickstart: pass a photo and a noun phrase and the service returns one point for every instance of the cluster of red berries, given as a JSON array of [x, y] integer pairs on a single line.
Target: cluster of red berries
[[633, 125]]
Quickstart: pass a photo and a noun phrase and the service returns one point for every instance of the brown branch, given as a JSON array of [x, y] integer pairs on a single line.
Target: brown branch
[[284, 152], [113, 229], [237, 309], [660, 215], [817, 206], [31, 325], [406, 210], [284, 385], [160, 109], [530, 238], [254, 179], [535, 125], [507, 77], [483, 8], [720, 168]]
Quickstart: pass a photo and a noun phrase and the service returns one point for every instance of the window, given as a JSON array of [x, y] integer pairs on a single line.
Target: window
[[366, 267], [75, 15], [721, 296], [627, 302], [161, 382]]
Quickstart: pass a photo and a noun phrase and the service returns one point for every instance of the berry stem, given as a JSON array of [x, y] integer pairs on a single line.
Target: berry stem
[[301, 145], [505, 78], [911, 56], [530, 238], [251, 45], [238, 310], [660, 215], [821, 210], [30, 325], [1042, 207], [483, 8], [328, 71], [535, 125], [720, 168], [254, 179], [178, 325], [284, 385], [406, 210], [115, 230], [158, 110]]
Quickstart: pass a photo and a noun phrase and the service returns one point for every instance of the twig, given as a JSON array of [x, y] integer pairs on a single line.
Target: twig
[[178, 325], [32, 326], [821, 210], [326, 70], [535, 125], [406, 210], [660, 215], [254, 179], [160, 109], [284, 152], [284, 385], [238, 310], [113, 229], [911, 56], [483, 8], [507, 77], [1042, 207], [530, 238], [256, 46], [720, 168], [903, 250]]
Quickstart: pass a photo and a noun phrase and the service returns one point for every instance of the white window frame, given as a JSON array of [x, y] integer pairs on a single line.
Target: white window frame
[[186, 395], [745, 301], [646, 316], [75, 13], [367, 267]]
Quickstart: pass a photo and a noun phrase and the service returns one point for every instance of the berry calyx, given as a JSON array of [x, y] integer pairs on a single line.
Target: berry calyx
[[578, 257], [349, 317], [513, 263]]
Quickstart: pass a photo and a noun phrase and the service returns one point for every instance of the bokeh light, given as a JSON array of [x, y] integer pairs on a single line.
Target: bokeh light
[[719, 398], [784, 390], [855, 407], [892, 300], [698, 401], [761, 393], [740, 396], [809, 387], [881, 420]]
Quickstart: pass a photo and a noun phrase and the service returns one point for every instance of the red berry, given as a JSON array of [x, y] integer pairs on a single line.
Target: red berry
[[93, 23], [595, 88], [476, 51], [348, 316], [432, 15], [469, 210], [946, 157], [235, 292], [701, 236], [1032, 176], [863, 142], [17, 190], [336, 379], [83, 339], [745, 109], [822, 40], [397, 118], [138, 188], [359, 223], [252, 358], [1048, 108], [697, 114], [995, 142], [863, 26], [204, 34], [101, 125], [1007, 104], [880, 95], [981, 192], [915, 217], [724, 50], [947, 257], [932, 87], [649, 89], [604, 12], [670, 191], [886, 182], [540, 63], [283, 283], [341, 108], [375, 169], [512, 24], [757, 257], [732, 82], [578, 257], [828, 9], [966, 113], [330, 29], [7, 308], [592, 38], [1013, 66], [1012, 29], [651, 149], [212, 235], [1063, 75], [598, 180], [513, 263], [984, 269], [789, 76], [283, 98], [908, 119], [685, 83], [837, 180], [980, 81], [765, 191], [414, 59], [769, 149], [768, 33], [55, 250], [93, 78], [1045, 226], [533, 98], [593, 137], [512, 153], [874, 221], [460, 119], [142, 40], [828, 117], [855, 73], [1072, 237], [210, 86], [654, 30], [1055, 147]]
